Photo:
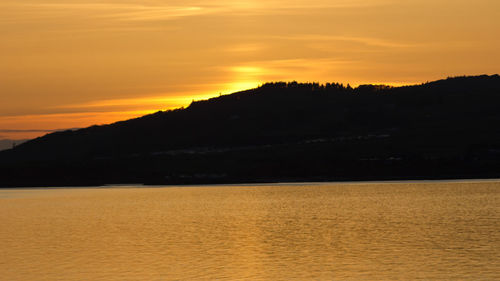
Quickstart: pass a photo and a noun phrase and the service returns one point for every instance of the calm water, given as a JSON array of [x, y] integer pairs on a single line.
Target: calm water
[[376, 231]]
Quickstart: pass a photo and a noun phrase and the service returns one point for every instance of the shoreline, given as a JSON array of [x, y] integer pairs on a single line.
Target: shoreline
[[250, 184]]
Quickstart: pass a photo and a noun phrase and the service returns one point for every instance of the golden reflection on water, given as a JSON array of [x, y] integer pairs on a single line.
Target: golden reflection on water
[[404, 231]]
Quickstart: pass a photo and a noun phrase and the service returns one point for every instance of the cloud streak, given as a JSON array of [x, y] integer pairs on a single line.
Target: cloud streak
[[156, 11], [287, 68], [20, 127], [105, 12], [26, 131], [368, 41], [156, 102]]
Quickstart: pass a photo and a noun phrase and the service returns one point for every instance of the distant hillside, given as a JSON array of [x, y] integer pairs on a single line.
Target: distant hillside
[[282, 131], [7, 144]]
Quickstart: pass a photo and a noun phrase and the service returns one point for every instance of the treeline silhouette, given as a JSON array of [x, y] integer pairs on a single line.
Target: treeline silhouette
[[282, 131]]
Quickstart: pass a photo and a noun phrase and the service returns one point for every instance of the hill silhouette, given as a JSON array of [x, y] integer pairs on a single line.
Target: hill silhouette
[[282, 132]]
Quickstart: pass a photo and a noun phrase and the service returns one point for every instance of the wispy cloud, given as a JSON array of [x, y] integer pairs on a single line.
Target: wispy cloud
[[20, 127], [297, 6], [368, 41], [245, 48], [27, 131], [157, 11], [287, 67], [34, 12], [153, 102]]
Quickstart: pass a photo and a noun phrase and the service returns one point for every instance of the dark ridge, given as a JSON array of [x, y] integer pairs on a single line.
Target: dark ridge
[[282, 131]]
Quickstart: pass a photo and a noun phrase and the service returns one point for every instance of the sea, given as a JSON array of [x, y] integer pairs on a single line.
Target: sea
[[428, 230]]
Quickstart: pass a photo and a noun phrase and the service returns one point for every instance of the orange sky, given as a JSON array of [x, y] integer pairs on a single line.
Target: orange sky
[[69, 63]]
